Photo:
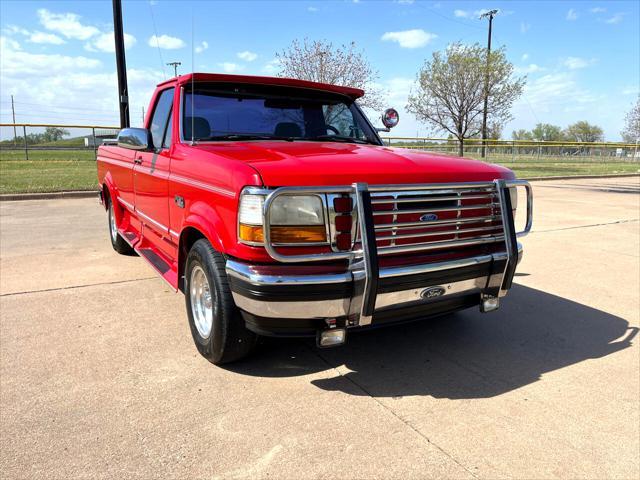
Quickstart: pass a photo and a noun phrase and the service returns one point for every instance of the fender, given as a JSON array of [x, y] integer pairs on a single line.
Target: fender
[[205, 218]]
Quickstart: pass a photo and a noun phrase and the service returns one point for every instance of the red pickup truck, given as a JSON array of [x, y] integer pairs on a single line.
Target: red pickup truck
[[275, 207]]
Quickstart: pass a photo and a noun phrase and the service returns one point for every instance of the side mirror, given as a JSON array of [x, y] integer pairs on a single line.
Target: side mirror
[[135, 139], [390, 119]]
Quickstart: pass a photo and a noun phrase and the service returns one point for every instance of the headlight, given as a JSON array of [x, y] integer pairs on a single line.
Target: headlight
[[295, 219]]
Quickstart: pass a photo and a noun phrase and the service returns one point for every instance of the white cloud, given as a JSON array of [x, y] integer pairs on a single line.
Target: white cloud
[[524, 27], [572, 15], [105, 42], [617, 18], [531, 68], [597, 10], [574, 63], [229, 67], [66, 24], [13, 29], [525, 57], [461, 13], [406, 2], [271, 67], [312, 9], [247, 56], [42, 37], [16, 61], [631, 90], [166, 42], [415, 38], [202, 47]]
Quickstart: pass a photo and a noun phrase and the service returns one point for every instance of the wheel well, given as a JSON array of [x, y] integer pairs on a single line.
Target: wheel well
[[188, 237], [106, 196]]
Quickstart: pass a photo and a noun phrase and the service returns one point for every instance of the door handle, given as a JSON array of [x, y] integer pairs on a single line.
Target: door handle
[[138, 160]]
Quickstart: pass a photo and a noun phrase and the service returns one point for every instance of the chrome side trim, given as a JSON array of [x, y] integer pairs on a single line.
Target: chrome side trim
[[414, 295], [174, 234], [126, 204], [198, 184], [159, 225]]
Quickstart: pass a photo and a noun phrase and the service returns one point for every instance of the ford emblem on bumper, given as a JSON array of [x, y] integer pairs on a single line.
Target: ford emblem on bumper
[[432, 292], [428, 217]]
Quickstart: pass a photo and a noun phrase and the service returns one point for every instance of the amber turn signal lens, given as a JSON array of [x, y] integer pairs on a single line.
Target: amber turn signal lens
[[284, 234]]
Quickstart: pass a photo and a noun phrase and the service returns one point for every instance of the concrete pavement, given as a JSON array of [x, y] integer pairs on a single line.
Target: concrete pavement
[[99, 376]]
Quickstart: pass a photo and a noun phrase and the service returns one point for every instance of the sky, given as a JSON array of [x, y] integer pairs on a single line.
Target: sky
[[581, 59]]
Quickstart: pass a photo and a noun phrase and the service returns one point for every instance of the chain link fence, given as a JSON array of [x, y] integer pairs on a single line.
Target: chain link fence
[[525, 150]]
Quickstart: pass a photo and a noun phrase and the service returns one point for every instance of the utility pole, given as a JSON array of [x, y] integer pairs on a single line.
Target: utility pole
[[175, 67], [490, 14], [121, 64], [143, 116], [13, 112]]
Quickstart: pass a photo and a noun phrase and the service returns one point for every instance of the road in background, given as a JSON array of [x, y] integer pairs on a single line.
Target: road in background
[[99, 377]]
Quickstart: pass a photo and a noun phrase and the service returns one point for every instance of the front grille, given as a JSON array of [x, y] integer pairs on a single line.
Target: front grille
[[455, 216]]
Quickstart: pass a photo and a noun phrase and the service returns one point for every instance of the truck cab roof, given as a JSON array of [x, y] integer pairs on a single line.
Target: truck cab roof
[[353, 93]]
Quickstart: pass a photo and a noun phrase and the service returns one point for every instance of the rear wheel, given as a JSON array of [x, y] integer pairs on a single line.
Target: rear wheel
[[118, 243], [216, 325]]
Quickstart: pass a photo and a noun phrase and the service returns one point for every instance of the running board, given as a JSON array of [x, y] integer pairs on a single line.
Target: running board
[[161, 266]]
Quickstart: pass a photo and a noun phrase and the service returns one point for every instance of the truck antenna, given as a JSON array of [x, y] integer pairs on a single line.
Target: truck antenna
[[192, 81]]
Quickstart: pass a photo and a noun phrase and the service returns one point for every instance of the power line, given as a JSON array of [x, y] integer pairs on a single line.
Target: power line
[[155, 31]]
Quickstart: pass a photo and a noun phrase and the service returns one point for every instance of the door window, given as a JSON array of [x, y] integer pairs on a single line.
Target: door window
[[160, 117]]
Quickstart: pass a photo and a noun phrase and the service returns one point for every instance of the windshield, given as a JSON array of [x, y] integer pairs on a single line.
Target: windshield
[[254, 113]]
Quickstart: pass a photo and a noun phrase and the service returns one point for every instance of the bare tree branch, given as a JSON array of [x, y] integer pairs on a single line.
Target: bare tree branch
[[321, 61]]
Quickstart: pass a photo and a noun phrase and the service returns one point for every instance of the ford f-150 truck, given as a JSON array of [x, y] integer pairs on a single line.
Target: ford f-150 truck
[[275, 207]]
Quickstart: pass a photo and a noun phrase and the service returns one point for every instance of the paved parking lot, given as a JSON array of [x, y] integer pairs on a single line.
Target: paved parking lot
[[99, 377]]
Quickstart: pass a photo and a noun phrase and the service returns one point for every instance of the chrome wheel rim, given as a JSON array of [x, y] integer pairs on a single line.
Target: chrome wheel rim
[[201, 301], [113, 229]]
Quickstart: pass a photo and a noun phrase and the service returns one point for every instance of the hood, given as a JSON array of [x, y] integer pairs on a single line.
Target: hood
[[302, 163]]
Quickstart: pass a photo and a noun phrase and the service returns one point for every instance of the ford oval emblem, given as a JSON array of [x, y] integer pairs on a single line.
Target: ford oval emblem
[[428, 217], [432, 292]]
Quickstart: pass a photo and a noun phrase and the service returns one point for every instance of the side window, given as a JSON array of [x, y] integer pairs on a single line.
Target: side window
[[167, 135], [160, 116]]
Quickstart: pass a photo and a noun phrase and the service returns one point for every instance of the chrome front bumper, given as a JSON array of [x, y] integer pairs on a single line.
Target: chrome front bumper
[[330, 295]]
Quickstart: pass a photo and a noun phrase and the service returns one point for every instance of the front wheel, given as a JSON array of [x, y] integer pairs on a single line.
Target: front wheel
[[215, 322]]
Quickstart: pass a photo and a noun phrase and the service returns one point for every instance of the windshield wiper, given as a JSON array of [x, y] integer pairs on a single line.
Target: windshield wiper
[[246, 136], [339, 138]]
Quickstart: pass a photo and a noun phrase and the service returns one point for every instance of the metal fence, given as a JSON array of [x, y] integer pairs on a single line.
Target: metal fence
[[30, 141], [516, 151]]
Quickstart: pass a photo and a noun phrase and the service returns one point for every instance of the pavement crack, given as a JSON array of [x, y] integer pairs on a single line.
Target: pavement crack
[[72, 287], [616, 222], [390, 410]]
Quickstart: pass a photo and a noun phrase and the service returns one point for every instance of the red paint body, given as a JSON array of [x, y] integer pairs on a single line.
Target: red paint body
[[210, 176]]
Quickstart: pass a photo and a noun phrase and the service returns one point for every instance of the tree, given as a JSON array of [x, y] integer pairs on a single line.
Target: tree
[[631, 132], [521, 134], [53, 134], [583, 131], [547, 133], [451, 86], [320, 61]]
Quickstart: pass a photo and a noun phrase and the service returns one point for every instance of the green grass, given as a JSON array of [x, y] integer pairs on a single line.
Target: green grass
[[47, 171], [55, 170]]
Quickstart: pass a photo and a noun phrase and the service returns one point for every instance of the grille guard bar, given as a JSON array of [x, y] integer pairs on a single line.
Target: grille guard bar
[[363, 261]]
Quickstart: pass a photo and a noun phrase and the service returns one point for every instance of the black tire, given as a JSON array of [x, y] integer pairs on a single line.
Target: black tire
[[228, 340], [118, 243]]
